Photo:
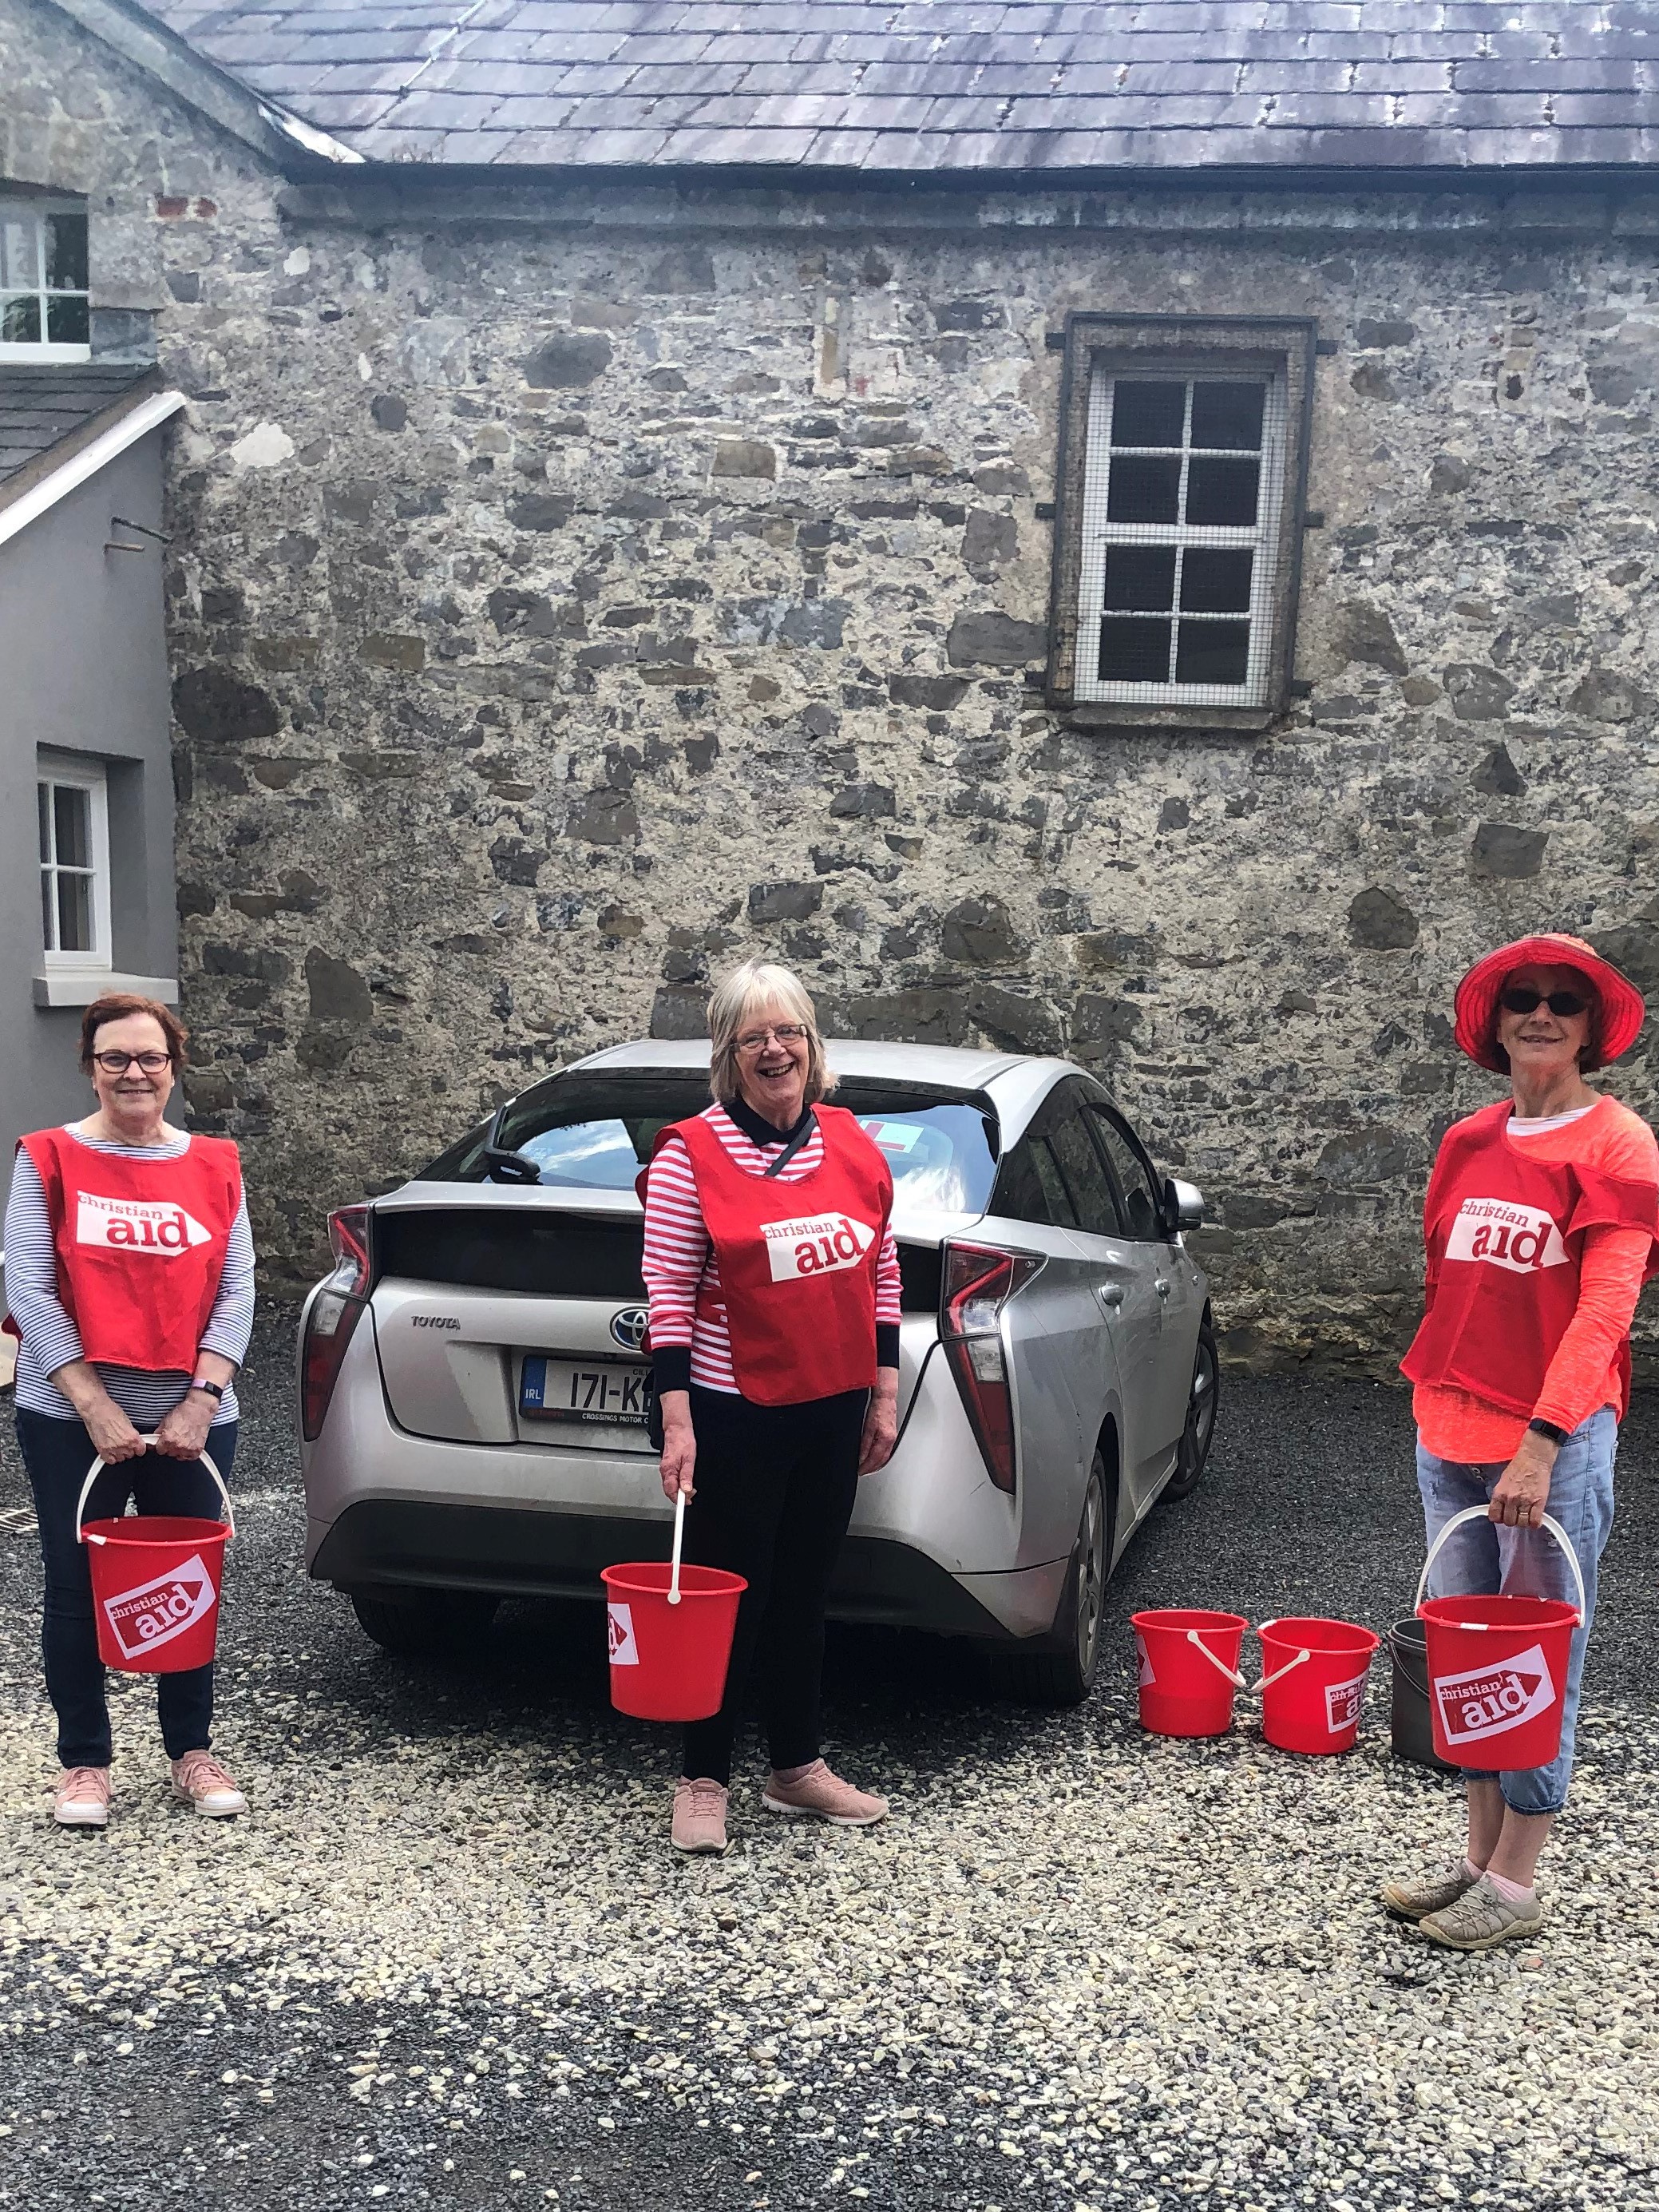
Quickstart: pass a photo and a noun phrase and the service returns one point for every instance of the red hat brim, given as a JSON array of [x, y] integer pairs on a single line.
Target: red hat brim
[[1623, 1008]]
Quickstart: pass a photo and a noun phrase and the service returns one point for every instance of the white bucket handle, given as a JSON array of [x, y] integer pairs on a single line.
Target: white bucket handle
[[680, 1533], [1480, 1513], [97, 1469], [1198, 1644], [1289, 1667]]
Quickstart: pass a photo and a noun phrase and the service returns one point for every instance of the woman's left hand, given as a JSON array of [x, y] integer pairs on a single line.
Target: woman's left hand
[[1523, 1489], [880, 1423], [182, 1433]]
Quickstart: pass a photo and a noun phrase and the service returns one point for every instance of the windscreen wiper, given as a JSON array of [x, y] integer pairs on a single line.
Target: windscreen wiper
[[501, 1164]]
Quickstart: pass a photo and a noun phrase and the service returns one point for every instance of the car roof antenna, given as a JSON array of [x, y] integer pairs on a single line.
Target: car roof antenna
[[503, 1165]]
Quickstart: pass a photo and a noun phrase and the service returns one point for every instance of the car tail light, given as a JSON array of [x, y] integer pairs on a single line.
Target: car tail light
[[335, 1313], [978, 1284]]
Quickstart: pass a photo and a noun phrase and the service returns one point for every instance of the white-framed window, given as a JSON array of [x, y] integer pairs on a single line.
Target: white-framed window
[[44, 309], [73, 805], [1183, 484]]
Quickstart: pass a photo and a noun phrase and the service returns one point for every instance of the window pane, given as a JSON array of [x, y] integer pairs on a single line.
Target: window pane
[[1085, 1177], [20, 321], [1218, 493], [1148, 414], [48, 914], [1140, 1199], [19, 269], [1228, 415], [71, 814], [1140, 576], [68, 319], [1134, 650], [1027, 1185], [1213, 652], [42, 807], [66, 252], [1216, 582], [1148, 490], [74, 914]]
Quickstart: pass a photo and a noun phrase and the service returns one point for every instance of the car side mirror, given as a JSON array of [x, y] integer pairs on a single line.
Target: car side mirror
[[1183, 1207]]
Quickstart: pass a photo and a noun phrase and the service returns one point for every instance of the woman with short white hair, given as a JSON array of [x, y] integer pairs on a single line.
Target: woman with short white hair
[[774, 1343]]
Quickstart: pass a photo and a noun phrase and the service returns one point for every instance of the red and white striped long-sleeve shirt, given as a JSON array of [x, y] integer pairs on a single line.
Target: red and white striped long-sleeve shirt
[[679, 1260]]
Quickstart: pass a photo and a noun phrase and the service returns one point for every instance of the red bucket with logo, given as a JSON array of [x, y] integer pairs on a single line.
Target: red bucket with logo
[[156, 1582], [1188, 1670], [668, 1661], [1497, 1668], [1313, 1682]]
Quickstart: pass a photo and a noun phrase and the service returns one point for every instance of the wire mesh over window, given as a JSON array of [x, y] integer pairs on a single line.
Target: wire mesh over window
[[1183, 484]]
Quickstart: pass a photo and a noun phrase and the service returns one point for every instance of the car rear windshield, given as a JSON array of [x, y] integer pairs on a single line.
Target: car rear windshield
[[595, 1133]]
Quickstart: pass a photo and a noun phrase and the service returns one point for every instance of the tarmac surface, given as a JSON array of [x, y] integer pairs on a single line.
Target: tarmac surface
[[448, 1961]]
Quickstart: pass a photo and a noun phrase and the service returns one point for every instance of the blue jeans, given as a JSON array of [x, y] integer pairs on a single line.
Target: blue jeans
[[1485, 1558], [56, 1454]]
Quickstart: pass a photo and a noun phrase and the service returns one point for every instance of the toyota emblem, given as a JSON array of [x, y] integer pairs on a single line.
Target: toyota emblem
[[628, 1326]]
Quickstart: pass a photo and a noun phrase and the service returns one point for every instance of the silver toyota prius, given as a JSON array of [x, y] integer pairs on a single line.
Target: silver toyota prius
[[474, 1398]]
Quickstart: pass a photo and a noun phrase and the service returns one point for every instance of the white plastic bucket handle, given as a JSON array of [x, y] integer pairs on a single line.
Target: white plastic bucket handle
[[679, 1535], [1480, 1513], [1198, 1644], [97, 1469], [1289, 1667]]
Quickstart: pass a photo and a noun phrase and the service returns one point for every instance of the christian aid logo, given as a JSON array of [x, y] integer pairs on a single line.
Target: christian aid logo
[[1522, 1238], [131, 1224], [624, 1652], [1342, 1704], [815, 1244], [1147, 1677], [144, 1618], [1490, 1700]]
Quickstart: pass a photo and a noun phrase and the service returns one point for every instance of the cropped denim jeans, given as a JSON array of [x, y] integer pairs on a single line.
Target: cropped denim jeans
[[1485, 1558]]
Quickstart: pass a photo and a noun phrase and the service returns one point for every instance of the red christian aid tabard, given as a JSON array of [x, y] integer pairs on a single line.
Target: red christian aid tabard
[[1505, 1234], [797, 1261], [141, 1243]]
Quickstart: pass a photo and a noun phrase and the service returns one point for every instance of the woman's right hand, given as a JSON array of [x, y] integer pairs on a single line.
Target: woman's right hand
[[679, 1445], [112, 1434]]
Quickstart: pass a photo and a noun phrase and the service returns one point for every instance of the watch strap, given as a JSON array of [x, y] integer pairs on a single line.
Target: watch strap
[[213, 1389], [1556, 1434]]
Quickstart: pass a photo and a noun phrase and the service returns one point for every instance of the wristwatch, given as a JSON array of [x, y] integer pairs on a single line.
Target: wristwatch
[[1550, 1429], [201, 1382]]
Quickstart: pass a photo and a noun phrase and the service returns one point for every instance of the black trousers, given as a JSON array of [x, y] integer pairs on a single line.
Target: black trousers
[[56, 1454], [774, 1492]]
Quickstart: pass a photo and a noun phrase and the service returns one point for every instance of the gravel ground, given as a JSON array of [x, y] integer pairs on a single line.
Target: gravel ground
[[448, 1960]]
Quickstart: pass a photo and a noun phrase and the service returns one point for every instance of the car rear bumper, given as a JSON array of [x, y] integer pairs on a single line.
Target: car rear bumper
[[389, 1542]]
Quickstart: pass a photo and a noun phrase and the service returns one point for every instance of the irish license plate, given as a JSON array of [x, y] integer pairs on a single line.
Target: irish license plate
[[609, 1390]]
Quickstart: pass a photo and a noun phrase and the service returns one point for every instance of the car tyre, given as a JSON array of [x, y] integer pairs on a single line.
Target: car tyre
[[1201, 1402], [425, 1624], [1060, 1669]]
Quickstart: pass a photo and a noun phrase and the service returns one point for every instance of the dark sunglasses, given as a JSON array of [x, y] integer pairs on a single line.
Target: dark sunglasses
[[1564, 1002]]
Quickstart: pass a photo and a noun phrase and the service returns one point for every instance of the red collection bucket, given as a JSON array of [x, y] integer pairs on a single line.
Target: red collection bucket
[[156, 1581], [1498, 1666], [1188, 1670], [671, 1630], [1313, 1682]]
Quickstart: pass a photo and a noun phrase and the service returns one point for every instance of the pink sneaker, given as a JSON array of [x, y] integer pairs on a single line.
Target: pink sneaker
[[82, 1797], [699, 1814], [199, 1779], [821, 1796]]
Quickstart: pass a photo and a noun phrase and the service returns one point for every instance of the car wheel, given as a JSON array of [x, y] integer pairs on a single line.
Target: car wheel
[[1061, 1669], [425, 1624], [1199, 1432]]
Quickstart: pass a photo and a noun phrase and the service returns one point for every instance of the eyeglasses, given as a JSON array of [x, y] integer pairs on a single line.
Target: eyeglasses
[[117, 1063], [785, 1032], [1564, 1002]]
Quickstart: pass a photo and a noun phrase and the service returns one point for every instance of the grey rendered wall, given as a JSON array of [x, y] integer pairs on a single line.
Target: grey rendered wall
[[82, 670]]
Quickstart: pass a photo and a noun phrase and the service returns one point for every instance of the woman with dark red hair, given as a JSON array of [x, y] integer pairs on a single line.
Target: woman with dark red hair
[[1541, 1227]]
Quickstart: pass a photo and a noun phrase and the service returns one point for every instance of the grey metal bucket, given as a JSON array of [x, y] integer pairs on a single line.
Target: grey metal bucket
[[1412, 1734]]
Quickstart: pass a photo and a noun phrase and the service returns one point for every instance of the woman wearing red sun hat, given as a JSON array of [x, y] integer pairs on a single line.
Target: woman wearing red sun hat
[[1541, 1225]]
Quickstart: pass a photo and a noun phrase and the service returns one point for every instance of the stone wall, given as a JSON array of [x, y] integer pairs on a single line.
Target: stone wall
[[575, 590]]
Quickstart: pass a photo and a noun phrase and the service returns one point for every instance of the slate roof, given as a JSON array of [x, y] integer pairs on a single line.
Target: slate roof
[[40, 408], [956, 86]]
